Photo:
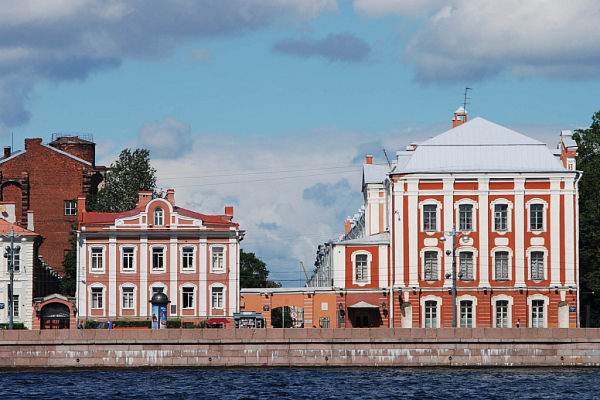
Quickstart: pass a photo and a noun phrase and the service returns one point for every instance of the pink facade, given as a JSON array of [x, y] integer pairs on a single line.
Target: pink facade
[[124, 258]]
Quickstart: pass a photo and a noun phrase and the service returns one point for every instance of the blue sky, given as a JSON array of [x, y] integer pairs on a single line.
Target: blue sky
[[271, 105]]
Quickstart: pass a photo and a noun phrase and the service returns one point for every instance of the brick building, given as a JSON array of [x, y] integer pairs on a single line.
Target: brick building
[[47, 178]]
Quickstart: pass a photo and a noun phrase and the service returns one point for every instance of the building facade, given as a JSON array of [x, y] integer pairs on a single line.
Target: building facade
[[480, 208], [47, 178], [125, 258]]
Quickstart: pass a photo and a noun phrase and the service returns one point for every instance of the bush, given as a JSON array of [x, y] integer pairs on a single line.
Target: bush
[[173, 323], [91, 324], [16, 326]]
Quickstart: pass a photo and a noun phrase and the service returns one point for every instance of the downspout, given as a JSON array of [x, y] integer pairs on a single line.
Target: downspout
[[77, 279], [577, 247], [391, 217]]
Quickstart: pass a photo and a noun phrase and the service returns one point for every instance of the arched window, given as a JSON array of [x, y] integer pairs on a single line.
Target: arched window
[[158, 216]]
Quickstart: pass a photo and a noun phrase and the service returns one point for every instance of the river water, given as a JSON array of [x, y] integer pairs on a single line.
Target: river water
[[310, 383]]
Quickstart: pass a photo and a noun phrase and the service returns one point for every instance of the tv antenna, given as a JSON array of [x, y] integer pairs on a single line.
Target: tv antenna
[[466, 98], [387, 158]]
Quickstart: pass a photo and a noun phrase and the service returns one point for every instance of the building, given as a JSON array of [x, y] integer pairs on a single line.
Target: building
[[124, 258], [481, 208], [47, 178]]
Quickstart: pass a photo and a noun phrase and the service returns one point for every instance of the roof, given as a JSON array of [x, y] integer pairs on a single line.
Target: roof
[[374, 173], [6, 226], [363, 304], [481, 146], [109, 218], [567, 139], [461, 110], [380, 238]]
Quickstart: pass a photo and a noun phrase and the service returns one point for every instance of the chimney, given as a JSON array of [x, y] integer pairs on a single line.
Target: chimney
[[460, 117], [30, 221], [7, 151], [145, 198], [80, 204], [170, 197], [348, 226], [369, 159], [32, 142], [228, 213]]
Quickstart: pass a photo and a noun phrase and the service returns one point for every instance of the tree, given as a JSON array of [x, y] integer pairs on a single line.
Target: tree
[[130, 174], [68, 282], [588, 161], [254, 272], [277, 314]]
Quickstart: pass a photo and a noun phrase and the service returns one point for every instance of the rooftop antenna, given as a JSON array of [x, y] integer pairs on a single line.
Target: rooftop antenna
[[466, 98], [387, 158]]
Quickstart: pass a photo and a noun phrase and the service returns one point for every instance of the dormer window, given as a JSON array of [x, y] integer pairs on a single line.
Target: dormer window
[[159, 219]]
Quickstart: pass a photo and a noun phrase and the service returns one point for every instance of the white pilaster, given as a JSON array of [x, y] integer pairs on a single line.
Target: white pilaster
[[173, 268], [448, 225], [520, 232], [398, 233], [203, 277], [413, 232], [570, 235], [113, 295], [144, 276], [339, 271], [231, 289], [484, 229], [555, 229], [383, 267]]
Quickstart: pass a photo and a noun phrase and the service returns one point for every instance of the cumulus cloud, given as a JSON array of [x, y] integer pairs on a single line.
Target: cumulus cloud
[[62, 40], [335, 47], [168, 139]]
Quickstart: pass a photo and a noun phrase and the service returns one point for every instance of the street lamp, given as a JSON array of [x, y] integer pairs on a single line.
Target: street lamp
[[454, 234], [9, 254]]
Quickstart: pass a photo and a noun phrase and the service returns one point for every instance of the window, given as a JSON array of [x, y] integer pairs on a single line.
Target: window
[[97, 295], [128, 259], [70, 207], [158, 216], [537, 265], [466, 266], [188, 297], [128, 298], [17, 262], [97, 259], [431, 314], [217, 297], [431, 260], [501, 217], [361, 268], [15, 305], [536, 217], [501, 265], [466, 314], [158, 289], [465, 217], [502, 314], [429, 217], [324, 322], [217, 259], [537, 314], [158, 258], [187, 258]]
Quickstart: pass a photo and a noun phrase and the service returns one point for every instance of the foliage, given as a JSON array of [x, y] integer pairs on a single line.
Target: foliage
[[276, 317], [91, 324], [254, 272], [130, 174], [16, 326], [588, 161], [69, 281]]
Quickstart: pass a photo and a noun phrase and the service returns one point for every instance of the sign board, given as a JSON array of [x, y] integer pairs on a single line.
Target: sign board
[[266, 308], [572, 308], [1, 306], [294, 314]]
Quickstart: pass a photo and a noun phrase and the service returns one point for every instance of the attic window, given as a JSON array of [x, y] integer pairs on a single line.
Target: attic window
[[159, 216]]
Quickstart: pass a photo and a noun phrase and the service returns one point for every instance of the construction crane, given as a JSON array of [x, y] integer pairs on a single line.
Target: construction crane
[[304, 269]]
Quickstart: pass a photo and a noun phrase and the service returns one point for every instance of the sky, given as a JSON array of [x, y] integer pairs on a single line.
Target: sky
[[271, 106]]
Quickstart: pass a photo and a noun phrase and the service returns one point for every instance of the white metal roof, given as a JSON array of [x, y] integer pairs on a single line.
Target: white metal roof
[[461, 110], [374, 173], [481, 146]]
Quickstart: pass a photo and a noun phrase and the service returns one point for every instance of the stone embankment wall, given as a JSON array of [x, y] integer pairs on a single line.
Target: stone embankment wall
[[300, 347]]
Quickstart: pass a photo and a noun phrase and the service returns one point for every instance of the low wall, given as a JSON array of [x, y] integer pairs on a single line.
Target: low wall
[[300, 347]]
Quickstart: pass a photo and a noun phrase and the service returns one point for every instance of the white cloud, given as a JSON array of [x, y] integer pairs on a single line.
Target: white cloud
[[168, 139], [200, 55], [412, 8]]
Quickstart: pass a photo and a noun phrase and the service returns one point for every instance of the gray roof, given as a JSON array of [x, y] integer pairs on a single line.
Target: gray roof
[[481, 146], [379, 238], [567, 139], [374, 173]]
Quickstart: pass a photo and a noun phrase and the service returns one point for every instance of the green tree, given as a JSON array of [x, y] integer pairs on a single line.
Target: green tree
[[69, 280], [130, 174], [254, 272], [588, 161], [276, 316]]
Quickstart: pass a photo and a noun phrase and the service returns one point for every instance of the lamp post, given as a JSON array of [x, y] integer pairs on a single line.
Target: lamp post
[[9, 254], [454, 234]]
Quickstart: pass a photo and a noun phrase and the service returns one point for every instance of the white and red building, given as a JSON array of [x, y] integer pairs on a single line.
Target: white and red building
[[124, 258], [513, 204]]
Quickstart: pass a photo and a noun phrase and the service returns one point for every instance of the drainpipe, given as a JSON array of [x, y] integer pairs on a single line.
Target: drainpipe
[[577, 241]]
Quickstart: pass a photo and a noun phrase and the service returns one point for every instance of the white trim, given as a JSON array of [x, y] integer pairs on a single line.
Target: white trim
[[510, 262], [157, 284], [544, 219], [165, 258], [502, 297], [155, 216], [438, 214], [530, 300], [91, 247], [466, 297], [528, 265], [63, 153], [438, 312], [210, 300], [121, 287], [104, 299], [470, 202], [210, 260], [467, 249], [194, 297], [508, 215], [439, 263], [194, 258], [135, 253], [369, 262]]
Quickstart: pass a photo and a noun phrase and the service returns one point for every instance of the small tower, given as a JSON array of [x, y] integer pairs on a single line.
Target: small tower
[[460, 117]]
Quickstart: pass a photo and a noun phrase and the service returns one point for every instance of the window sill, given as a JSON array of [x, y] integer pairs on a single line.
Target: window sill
[[502, 280], [128, 271], [188, 271], [217, 271], [537, 231], [431, 281]]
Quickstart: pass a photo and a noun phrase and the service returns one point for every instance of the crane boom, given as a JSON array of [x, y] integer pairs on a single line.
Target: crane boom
[[301, 263]]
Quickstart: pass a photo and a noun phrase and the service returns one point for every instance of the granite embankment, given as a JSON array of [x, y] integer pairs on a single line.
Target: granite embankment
[[299, 347]]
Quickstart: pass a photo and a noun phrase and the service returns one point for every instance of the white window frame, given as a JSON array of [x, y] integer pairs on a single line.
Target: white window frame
[[439, 263], [15, 305], [475, 207], [17, 261], [438, 215], [438, 309], [103, 293], [181, 258], [122, 292], [194, 295], [544, 218], [508, 216], [157, 284], [72, 210], [530, 300], [473, 299], [502, 297], [91, 248], [211, 254], [510, 262], [528, 252], [122, 255], [223, 292], [158, 216], [165, 258], [467, 249], [367, 281]]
